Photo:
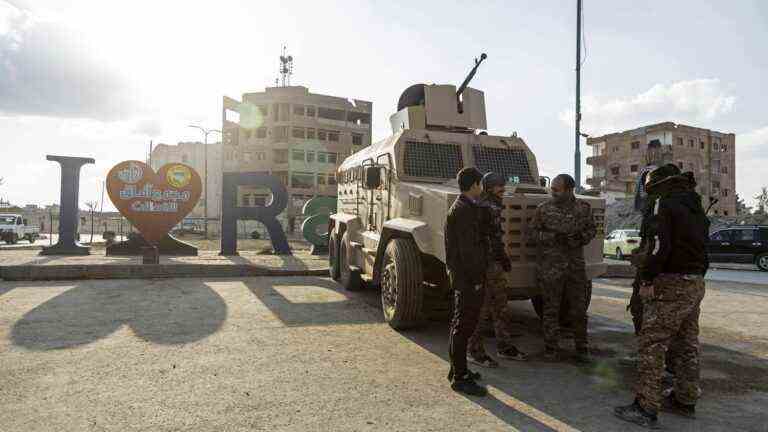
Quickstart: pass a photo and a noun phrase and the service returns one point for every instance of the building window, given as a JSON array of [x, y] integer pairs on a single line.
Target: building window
[[332, 179], [702, 145], [280, 155], [725, 212], [261, 132], [716, 146], [310, 133], [633, 168], [297, 155], [322, 135], [680, 141], [725, 192], [614, 149], [331, 114], [724, 147], [298, 133], [691, 143], [724, 170], [280, 132], [310, 111], [310, 156], [331, 157], [333, 136], [321, 157], [357, 139], [715, 185], [301, 180], [298, 110], [260, 156], [615, 170], [321, 179]]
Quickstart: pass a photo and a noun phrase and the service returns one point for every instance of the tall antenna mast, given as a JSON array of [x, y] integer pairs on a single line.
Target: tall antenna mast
[[286, 68]]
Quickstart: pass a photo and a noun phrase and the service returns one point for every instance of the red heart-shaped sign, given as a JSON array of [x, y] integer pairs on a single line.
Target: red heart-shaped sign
[[153, 202]]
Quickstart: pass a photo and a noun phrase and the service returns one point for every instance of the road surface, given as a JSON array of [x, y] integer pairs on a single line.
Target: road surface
[[300, 354]]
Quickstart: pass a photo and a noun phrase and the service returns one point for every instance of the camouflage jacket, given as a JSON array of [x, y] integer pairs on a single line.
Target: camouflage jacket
[[563, 229], [491, 229]]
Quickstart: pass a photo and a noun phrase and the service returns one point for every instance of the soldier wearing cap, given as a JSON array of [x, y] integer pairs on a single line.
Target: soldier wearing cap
[[496, 279], [671, 278]]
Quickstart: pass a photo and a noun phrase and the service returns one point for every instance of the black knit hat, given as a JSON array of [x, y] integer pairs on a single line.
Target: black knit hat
[[660, 175]]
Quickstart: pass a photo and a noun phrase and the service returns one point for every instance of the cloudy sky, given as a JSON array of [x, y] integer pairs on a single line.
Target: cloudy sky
[[102, 78]]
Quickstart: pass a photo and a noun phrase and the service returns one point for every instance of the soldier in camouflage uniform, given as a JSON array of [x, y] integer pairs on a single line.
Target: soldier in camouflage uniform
[[562, 227], [672, 288], [496, 279]]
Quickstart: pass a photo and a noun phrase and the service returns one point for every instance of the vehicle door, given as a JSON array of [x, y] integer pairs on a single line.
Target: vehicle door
[[746, 244], [719, 246], [384, 194]]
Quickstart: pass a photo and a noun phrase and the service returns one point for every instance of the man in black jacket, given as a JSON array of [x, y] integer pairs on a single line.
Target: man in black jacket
[[672, 288], [466, 259]]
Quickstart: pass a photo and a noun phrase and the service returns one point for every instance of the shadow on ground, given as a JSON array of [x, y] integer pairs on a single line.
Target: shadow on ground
[[158, 312]]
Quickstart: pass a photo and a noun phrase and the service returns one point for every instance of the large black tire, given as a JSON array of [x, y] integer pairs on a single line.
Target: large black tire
[[333, 256], [762, 262], [348, 277], [402, 284]]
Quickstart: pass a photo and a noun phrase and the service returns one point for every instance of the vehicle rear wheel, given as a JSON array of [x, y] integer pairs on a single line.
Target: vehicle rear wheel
[[402, 289], [619, 254], [348, 277], [333, 256], [762, 262]]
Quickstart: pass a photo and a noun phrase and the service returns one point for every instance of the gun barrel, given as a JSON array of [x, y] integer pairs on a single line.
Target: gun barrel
[[471, 75]]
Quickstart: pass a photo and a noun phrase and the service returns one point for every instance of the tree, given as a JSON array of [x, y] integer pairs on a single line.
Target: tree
[[741, 207], [762, 200]]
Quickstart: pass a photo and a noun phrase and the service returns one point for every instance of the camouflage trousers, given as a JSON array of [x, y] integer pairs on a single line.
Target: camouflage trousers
[[560, 282], [495, 310], [670, 323]]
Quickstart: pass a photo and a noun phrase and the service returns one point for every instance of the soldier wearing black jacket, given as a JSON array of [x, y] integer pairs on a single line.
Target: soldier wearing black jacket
[[671, 278], [466, 258]]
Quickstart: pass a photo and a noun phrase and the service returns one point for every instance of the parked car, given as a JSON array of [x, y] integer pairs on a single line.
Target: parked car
[[744, 244], [620, 243], [14, 228]]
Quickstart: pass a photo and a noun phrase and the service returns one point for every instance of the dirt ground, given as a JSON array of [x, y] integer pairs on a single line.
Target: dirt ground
[[300, 354]]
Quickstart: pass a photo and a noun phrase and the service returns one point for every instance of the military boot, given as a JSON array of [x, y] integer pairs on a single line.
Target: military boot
[[634, 413], [672, 405]]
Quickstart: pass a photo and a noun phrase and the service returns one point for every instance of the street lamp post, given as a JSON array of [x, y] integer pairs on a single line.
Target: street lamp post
[[205, 173]]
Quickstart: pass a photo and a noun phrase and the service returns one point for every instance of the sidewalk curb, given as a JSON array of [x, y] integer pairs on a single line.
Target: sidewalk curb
[[142, 271]]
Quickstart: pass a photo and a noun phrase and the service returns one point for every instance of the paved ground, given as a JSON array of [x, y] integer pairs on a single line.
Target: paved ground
[[299, 354]]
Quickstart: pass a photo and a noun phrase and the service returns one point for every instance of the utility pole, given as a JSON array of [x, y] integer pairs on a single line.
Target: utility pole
[[205, 174], [577, 153]]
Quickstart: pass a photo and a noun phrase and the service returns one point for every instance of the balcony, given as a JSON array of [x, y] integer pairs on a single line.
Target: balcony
[[596, 160]]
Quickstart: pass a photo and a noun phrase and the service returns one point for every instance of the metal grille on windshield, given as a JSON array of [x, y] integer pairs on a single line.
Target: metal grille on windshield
[[432, 160], [511, 163]]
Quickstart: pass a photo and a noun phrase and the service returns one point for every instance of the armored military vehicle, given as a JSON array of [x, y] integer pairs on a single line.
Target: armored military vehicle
[[393, 197]]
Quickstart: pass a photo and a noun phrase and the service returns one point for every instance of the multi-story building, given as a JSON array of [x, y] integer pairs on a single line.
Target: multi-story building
[[618, 158], [195, 154], [298, 136]]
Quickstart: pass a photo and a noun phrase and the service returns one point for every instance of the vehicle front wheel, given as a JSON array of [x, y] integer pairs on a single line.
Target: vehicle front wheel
[[619, 254], [402, 290], [333, 256], [349, 277], [762, 262]]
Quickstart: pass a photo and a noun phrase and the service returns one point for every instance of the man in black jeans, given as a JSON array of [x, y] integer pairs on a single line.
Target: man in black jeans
[[466, 258]]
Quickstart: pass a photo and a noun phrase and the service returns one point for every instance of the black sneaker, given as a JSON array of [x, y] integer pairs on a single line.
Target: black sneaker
[[483, 360], [634, 413], [468, 386], [512, 353], [672, 405]]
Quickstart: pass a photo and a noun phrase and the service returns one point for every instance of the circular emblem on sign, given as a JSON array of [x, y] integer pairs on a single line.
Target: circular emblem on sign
[[178, 176]]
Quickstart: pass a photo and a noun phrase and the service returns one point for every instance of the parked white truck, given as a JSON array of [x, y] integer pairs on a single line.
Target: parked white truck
[[13, 228]]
